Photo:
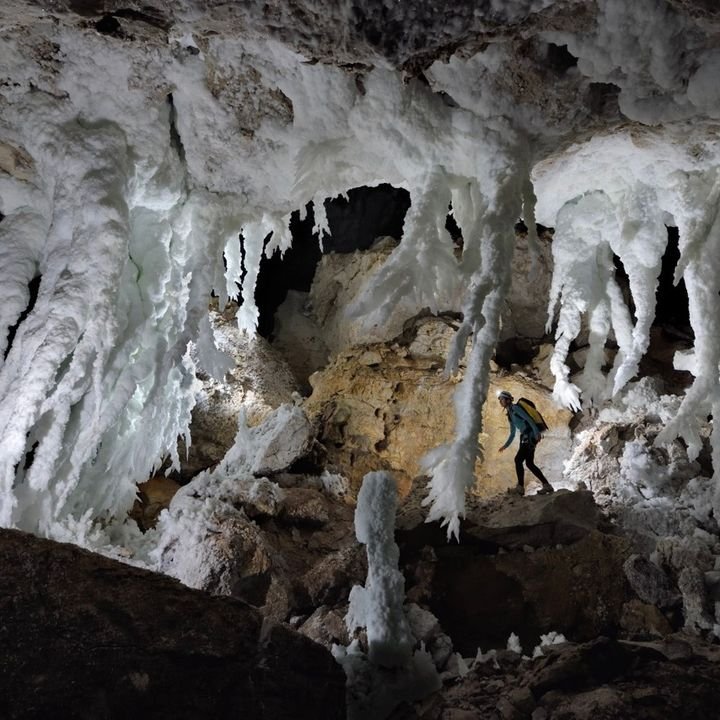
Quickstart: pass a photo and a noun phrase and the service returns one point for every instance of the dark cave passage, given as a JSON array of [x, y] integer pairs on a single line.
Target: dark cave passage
[[672, 311], [355, 223]]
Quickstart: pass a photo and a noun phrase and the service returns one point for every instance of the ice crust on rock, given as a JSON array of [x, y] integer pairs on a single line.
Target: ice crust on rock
[[133, 205]]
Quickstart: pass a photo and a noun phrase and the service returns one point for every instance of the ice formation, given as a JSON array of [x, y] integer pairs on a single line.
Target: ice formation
[[378, 606], [392, 670], [137, 186]]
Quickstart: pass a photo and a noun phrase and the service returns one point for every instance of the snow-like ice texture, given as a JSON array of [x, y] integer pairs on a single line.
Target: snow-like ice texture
[[668, 79], [134, 205], [179, 545], [378, 606], [656, 492], [552, 638], [613, 195], [390, 672], [373, 691], [513, 644], [99, 384]]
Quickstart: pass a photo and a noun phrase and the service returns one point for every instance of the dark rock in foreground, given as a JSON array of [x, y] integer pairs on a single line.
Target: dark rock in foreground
[[83, 636], [599, 680]]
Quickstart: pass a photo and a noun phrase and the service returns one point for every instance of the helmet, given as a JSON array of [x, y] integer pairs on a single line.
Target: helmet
[[504, 394]]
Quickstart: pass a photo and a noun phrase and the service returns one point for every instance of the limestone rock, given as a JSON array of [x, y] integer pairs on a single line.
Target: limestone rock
[[388, 413], [542, 521], [282, 550], [299, 339], [481, 591], [154, 496], [326, 627], [696, 606], [285, 438], [525, 315], [339, 279], [650, 583], [85, 636], [330, 580], [602, 678], [640, 619]]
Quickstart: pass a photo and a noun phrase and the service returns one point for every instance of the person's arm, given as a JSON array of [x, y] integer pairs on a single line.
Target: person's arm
[[531, 423], [511, 437]]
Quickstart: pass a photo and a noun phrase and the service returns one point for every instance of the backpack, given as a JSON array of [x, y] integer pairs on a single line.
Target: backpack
[[529, 407]]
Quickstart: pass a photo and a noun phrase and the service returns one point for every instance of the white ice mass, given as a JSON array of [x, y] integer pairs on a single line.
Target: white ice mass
[[129, 208]]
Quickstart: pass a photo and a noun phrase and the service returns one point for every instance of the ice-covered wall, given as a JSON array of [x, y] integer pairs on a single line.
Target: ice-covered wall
[[147, 149]]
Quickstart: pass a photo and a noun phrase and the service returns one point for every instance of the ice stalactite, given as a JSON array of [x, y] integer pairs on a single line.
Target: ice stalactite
[[488, 231], [102, 359], [583, 283], [22, 234], [590, 230], [422, 270], [700, 268]]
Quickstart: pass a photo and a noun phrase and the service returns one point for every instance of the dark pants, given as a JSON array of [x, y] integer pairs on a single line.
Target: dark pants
[[526, 455]]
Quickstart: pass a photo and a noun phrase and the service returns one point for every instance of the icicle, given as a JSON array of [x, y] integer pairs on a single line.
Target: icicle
[[422, 270], [453, 467], [701, 247], [281, 237], [641, 246], [321, 227], [253, 242]]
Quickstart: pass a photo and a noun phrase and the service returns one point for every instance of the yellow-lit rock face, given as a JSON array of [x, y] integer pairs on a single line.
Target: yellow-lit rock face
[[497, 473], [386, 406]]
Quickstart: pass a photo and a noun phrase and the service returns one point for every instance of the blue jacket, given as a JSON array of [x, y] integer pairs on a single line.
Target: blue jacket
[[520, 420]]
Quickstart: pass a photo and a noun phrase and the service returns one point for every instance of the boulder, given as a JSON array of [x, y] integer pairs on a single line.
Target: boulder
[[649, 581], [599, 679], [88, 637], [504, 575], [283, 550]]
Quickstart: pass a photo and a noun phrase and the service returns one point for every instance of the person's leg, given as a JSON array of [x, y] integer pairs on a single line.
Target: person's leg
[[519, 469], [534, 469]]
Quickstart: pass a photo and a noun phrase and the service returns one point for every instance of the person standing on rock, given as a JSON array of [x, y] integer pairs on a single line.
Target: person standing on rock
[[529, 438]]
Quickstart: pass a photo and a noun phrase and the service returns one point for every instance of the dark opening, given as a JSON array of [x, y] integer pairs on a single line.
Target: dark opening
[[355, 223], [623, 281], [292, 271], [33, 289], [672, 310], [108, 25], [367, 214], [671, 330], [175, 139], [542, 231], [453, 228], [514, 351], [559, 58], [602, 98]]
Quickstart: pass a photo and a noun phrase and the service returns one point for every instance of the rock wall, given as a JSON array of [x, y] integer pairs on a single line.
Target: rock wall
[[87, 637], [385, 406]]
